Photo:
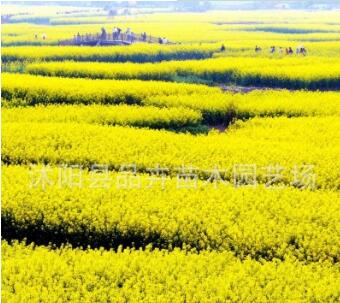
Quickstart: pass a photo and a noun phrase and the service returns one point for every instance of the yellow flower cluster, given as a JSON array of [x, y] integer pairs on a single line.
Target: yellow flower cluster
[[261, 141], [216, 107], [142, 116], [222, 107], [42, 274], [38, 89], [260, 223], [295, 72]]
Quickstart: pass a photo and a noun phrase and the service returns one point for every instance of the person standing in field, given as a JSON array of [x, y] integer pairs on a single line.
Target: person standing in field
[[301, 50], [103, 34], [144, 36], [114, 33], [132, 37], [128, 34], [119, 30]]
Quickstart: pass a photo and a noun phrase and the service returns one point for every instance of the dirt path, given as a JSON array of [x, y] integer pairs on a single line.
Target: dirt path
[[245, 89], [220, 127]]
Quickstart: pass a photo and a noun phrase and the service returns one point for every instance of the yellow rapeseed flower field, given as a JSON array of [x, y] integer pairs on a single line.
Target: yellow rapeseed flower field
[[204, 170], [246, 221], [263, 142], [288, 72], [143, 116], [38, 89], [73, 275]]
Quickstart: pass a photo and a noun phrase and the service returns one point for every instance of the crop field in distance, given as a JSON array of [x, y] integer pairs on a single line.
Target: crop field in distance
[[170, 151]]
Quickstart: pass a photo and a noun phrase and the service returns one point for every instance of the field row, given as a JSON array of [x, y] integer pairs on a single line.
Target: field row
[[137, 53], [71, 275], [181, 112], [35, 90], [215, 106], [309, 73], [222, 107], [98, 209], [182, 32], [140, 116], [287, 142]]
